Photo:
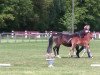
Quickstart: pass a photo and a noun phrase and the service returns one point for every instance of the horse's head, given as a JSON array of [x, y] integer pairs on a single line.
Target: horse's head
[[89, 35]]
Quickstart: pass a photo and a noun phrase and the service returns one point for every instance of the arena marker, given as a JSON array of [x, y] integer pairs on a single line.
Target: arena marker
[[5, 65], [95, 65]]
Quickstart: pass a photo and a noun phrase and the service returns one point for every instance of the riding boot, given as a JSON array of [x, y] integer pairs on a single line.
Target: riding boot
[[89, 54]]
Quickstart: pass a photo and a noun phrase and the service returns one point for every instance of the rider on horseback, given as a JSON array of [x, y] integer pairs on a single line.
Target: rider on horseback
[[83, 32]]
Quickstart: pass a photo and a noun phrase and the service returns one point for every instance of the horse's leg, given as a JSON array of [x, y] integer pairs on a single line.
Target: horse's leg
[[54, 49], [77, 51], [58, 52], [72, 50], [70, 53], [82, 48]]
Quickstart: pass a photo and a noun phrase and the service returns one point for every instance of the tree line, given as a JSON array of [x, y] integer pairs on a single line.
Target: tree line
[[48, 15]]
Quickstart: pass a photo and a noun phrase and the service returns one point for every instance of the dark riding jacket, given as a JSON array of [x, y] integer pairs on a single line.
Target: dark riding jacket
[[82, 33]]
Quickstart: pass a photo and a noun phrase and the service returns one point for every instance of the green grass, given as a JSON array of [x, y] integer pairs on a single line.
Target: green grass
[[28, 58]]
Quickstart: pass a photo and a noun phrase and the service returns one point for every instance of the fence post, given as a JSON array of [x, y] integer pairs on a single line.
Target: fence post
[[50, 33], [15, 38], [29, 36], [99, 35], [25, 34], [7, 38], [46, 33], [42, 37], [0, 38], [12, 34]]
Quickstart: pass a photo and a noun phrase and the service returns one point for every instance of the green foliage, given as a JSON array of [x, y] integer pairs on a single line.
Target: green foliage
[[23, 11], [5, 12], [85, 12], [44, 15], [16, 11], [57, 10]]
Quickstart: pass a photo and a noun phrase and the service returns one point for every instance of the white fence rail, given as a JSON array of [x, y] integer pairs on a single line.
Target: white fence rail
[[29, 36], [14, 38]]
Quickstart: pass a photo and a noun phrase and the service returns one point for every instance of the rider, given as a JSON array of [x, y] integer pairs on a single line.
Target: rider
[[84, 31], [87, 28], [81, 34]]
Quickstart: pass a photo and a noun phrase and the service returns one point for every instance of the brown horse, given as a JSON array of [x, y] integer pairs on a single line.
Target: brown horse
[[68, 40], [82, 42], [61, 39]]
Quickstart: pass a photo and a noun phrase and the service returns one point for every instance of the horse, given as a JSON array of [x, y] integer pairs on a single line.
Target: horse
[[61, 39], [82, 42], [72, 41]]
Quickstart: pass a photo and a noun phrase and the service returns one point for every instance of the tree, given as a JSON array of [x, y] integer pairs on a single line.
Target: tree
[[79, 12], [23, 11], [55, 15], [5, 13], [93, 13], [85, 11], [57, 10], [15, 13]]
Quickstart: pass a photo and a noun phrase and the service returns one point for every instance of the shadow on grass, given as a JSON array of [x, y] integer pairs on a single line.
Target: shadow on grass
[[74, 57]]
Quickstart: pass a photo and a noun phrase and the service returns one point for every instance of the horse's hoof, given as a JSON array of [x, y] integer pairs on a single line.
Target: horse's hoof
[[58, 56], [77, 54], [71, 55], [91, 57], [78, 57]]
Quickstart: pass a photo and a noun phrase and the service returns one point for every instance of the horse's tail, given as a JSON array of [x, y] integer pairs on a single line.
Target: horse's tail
[[49, 49]]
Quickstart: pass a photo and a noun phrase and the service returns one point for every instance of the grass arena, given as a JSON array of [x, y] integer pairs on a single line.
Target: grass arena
[[28, 58]]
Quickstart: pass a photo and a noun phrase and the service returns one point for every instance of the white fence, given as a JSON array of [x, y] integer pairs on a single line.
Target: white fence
[[15, 37], [29, 36], [96, 35]]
